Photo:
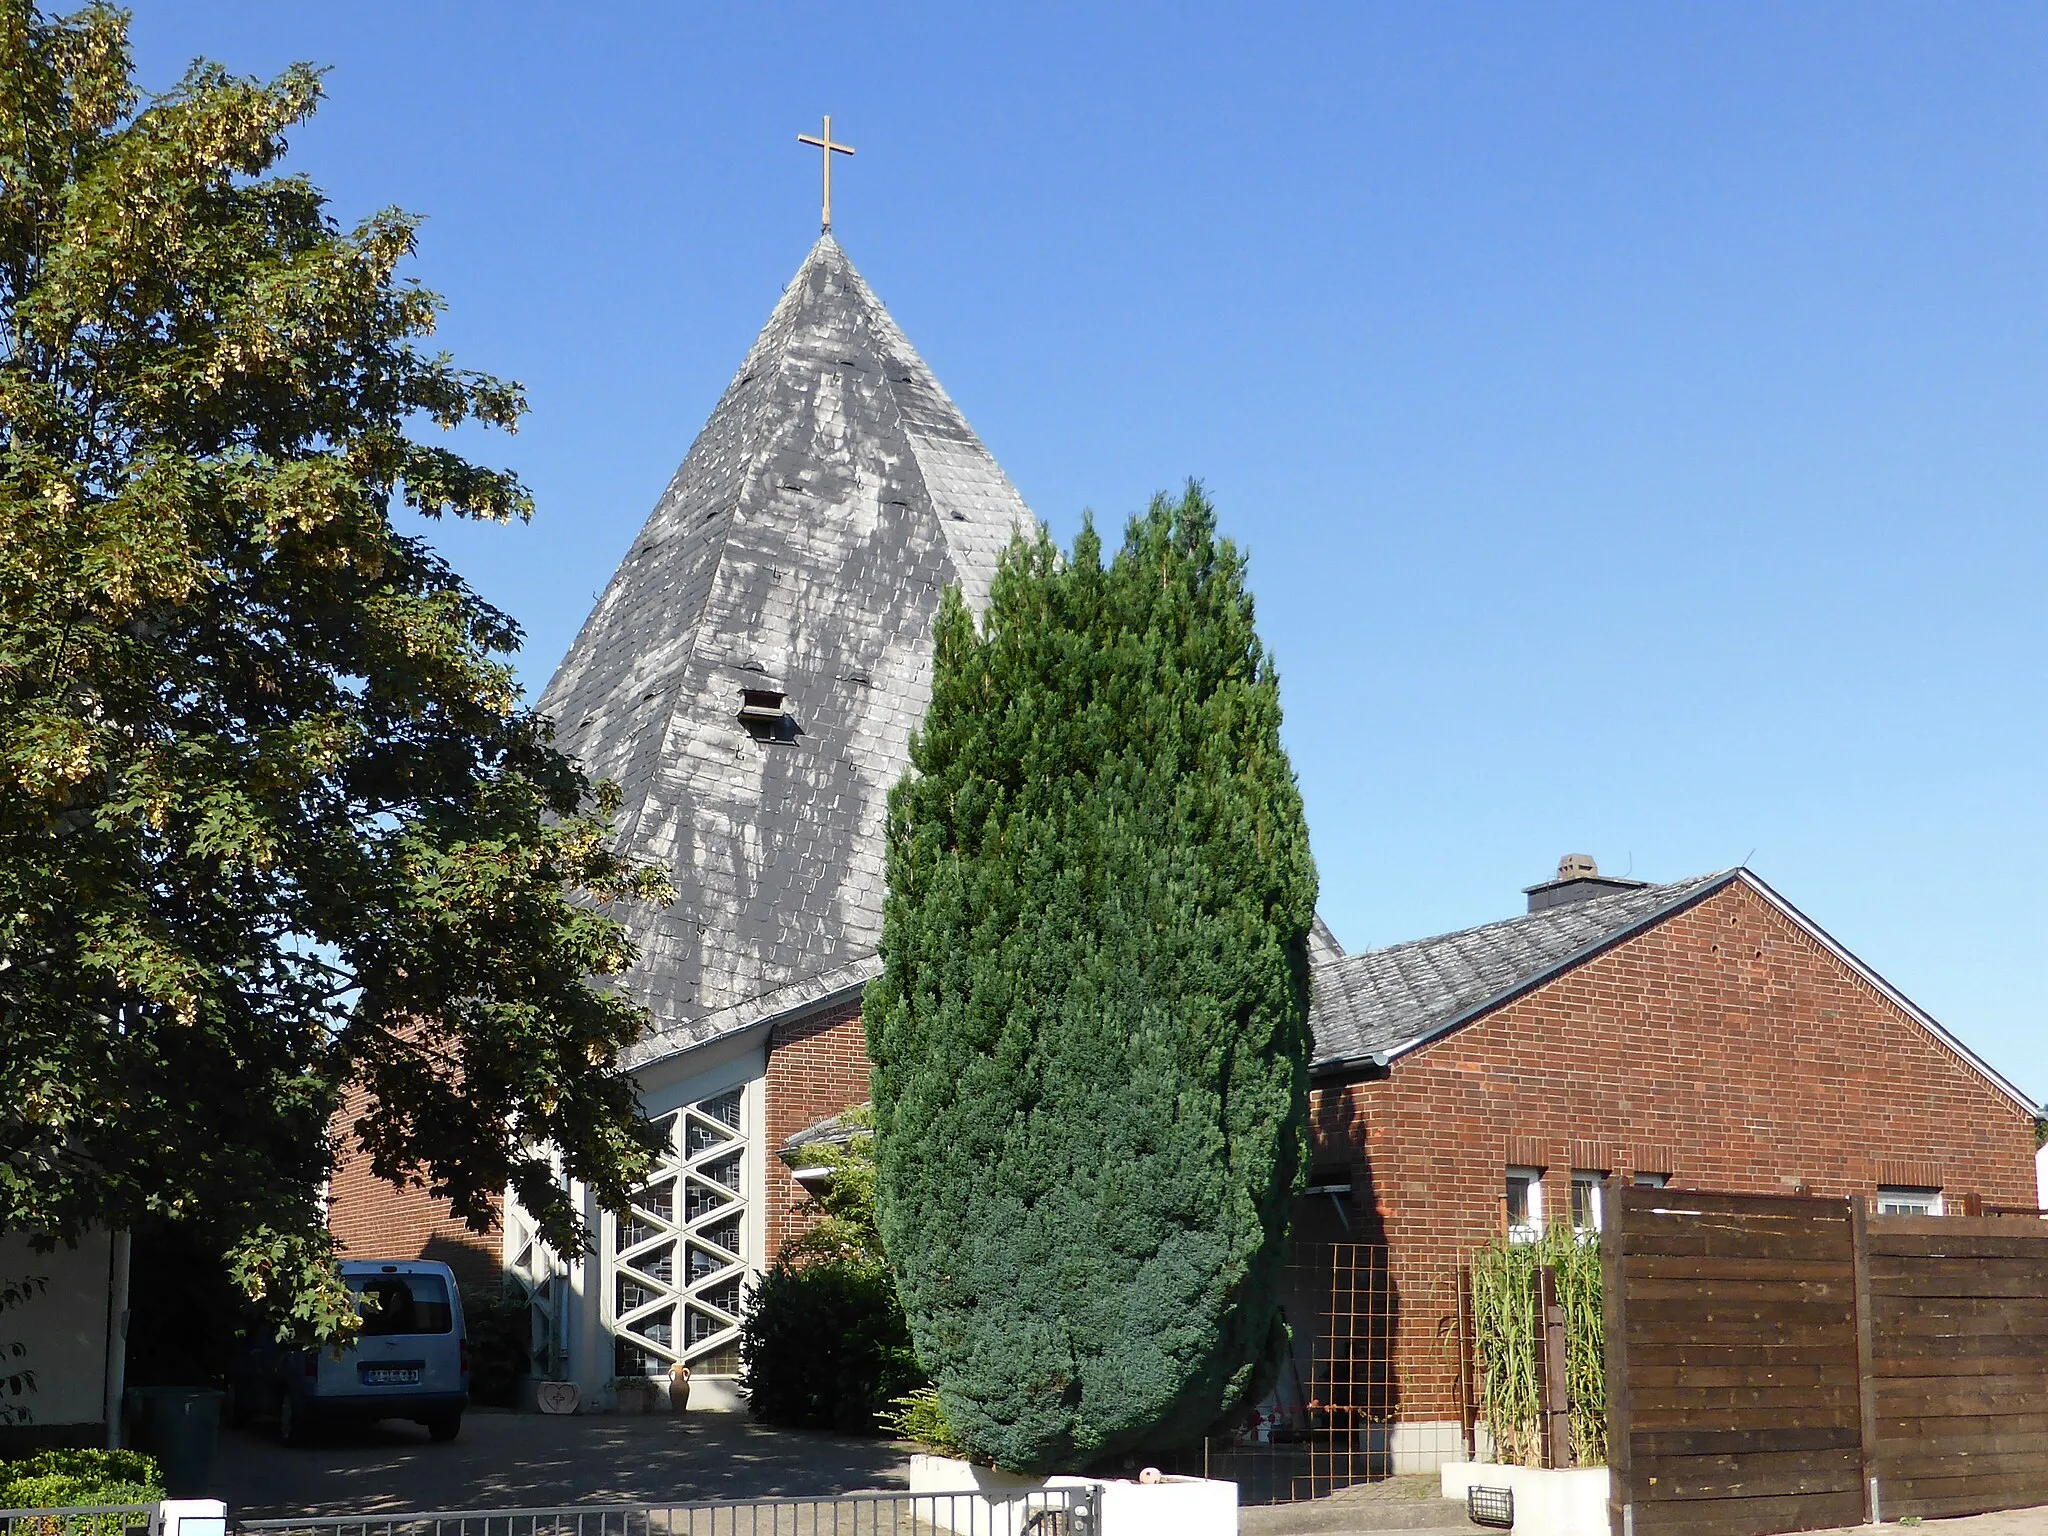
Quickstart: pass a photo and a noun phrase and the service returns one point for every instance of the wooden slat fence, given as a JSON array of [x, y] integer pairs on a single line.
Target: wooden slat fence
[[1732, 1396], [1776, 1364], [1959, 1315]]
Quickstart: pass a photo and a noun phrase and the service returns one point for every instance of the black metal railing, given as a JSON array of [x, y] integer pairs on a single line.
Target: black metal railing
[[78, 1520], [1061, 1511]]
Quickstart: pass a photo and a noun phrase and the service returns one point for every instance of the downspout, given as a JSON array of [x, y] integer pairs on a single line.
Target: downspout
[[117, 1338]]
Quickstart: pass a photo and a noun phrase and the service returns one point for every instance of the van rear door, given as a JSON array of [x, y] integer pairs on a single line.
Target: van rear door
[[411, 1339]]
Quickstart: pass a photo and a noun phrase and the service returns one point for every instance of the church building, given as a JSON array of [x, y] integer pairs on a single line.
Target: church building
[[750, 678]]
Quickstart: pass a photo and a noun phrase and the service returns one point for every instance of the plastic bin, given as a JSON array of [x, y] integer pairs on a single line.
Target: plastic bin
[[180, 1426]]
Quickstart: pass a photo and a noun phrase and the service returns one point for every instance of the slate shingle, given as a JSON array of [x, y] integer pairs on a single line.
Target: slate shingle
[[1382, 999], [833, 493]]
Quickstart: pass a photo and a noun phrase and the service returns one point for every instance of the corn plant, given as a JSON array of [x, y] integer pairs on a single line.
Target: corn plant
[[1507, 1328]]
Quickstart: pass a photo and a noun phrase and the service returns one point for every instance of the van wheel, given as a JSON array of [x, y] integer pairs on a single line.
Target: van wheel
[[292, 1428], [445, 1428]]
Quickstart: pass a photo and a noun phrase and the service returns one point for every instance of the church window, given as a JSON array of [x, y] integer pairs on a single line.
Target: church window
[[676, 1251]]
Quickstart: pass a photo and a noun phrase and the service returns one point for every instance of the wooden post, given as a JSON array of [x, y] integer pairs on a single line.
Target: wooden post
[[1468, 1399], [1557, 1410], [1866, 1371], [1614, 1325], [1973, 1205]]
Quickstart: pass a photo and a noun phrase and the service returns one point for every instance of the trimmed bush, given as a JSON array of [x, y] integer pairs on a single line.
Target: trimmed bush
[[64, 1479], [1090, 1037], [824, 1345]]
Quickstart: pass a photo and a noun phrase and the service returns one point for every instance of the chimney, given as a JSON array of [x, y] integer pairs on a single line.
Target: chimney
[[1578, 879]]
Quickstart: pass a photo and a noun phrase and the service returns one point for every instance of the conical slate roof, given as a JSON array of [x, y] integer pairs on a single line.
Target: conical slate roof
[[802, 547]]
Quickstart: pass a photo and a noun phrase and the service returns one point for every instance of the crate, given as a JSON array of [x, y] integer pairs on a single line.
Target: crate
[[1493, 1508]]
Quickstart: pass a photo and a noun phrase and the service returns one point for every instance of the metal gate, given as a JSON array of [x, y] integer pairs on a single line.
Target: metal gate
[[1061, 1511]]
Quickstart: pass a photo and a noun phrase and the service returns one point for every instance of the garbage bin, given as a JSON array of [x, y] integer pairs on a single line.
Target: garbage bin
[[180, 1426]]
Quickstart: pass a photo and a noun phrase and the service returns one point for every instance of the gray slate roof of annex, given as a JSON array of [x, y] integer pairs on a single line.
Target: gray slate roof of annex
[[834, 493], [1381, 1000]]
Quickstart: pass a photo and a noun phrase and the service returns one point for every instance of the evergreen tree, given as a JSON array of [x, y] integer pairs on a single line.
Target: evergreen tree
[[1090, 1039]]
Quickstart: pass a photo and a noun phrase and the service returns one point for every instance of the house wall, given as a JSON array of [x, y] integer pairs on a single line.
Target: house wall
[[1722, 1046], [62, 1329], [817, 1067], [372, 1220]]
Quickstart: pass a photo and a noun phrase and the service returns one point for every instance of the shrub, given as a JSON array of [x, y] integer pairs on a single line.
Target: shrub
[[1507, 1329], [920, 1417], [1090, 1035], [65, 1479], [500, 1327], [824, 1344]]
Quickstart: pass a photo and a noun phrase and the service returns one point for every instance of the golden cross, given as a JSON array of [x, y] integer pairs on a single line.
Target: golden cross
[[827, 149]]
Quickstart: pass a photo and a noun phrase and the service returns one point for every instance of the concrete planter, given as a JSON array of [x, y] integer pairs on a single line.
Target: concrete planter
[[991, 1503], [1567, 1501]]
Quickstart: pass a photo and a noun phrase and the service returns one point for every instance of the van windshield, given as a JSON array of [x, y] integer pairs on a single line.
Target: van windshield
[[402, 1303]]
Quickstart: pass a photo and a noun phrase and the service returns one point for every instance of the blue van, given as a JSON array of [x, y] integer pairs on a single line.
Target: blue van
[[410, 1361]]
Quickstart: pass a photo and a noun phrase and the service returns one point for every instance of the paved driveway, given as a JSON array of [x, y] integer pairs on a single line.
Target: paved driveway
[[523, 1460]]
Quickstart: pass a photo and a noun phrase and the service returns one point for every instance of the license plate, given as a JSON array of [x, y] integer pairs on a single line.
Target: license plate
[[391, 1375]]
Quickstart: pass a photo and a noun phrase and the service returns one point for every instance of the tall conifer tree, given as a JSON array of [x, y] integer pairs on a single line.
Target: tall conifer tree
[[1090, 1038]]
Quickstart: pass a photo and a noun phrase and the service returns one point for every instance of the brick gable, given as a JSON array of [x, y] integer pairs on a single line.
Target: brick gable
[[1722, 1045]]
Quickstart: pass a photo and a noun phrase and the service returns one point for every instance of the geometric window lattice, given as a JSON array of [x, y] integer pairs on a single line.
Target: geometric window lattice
[[543, 1279], [675, 1292]]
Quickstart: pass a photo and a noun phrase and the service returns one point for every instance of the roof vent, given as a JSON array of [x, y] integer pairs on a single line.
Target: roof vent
[[1578, 879], [763, 710]]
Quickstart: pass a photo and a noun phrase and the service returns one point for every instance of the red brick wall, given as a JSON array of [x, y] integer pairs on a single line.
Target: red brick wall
[[816, 1068], [372, 1220], [1723, 1046]]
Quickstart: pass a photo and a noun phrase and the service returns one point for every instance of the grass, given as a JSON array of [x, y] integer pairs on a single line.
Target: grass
[[1507, 1327]]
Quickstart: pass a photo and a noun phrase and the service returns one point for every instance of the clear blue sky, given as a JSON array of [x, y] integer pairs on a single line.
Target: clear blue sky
[[1634, 413]]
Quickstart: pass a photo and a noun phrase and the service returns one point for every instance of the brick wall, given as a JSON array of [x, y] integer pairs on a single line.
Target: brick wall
[[1723, 1047], [816, 1068], [372, 1220]]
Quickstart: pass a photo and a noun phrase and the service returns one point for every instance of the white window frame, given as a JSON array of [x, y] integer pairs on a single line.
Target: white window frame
[[1651, 1180], [1908, 1200], [1531, 1179], [1594, 1203]]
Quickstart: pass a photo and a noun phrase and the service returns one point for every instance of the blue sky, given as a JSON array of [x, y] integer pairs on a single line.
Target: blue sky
[[1634, 413]]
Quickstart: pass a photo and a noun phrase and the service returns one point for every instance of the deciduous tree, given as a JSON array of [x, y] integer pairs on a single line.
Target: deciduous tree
[[273, 820]]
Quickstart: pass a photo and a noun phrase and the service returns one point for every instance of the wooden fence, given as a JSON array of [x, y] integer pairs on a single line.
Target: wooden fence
[[1781, 1364]]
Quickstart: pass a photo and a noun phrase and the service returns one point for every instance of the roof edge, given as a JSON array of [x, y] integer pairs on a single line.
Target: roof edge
[[1529, 983], [1892, 994], [1741, 874], [791, 1001]]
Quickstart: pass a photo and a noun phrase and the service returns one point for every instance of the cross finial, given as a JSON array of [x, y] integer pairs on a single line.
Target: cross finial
[[826, 150]]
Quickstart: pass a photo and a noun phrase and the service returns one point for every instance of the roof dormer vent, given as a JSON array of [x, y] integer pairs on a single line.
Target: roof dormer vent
[[762, 710]]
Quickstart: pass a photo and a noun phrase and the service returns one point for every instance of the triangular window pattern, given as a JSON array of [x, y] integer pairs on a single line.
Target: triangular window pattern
[[676, 1248]]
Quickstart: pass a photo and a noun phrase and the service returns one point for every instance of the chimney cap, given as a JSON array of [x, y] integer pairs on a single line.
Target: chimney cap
[[1578, 878]]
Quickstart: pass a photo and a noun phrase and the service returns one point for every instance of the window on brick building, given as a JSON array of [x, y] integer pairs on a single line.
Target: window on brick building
[[1907, 1200], [1587, 1213], [1652, 1180], [1525, 1204]]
